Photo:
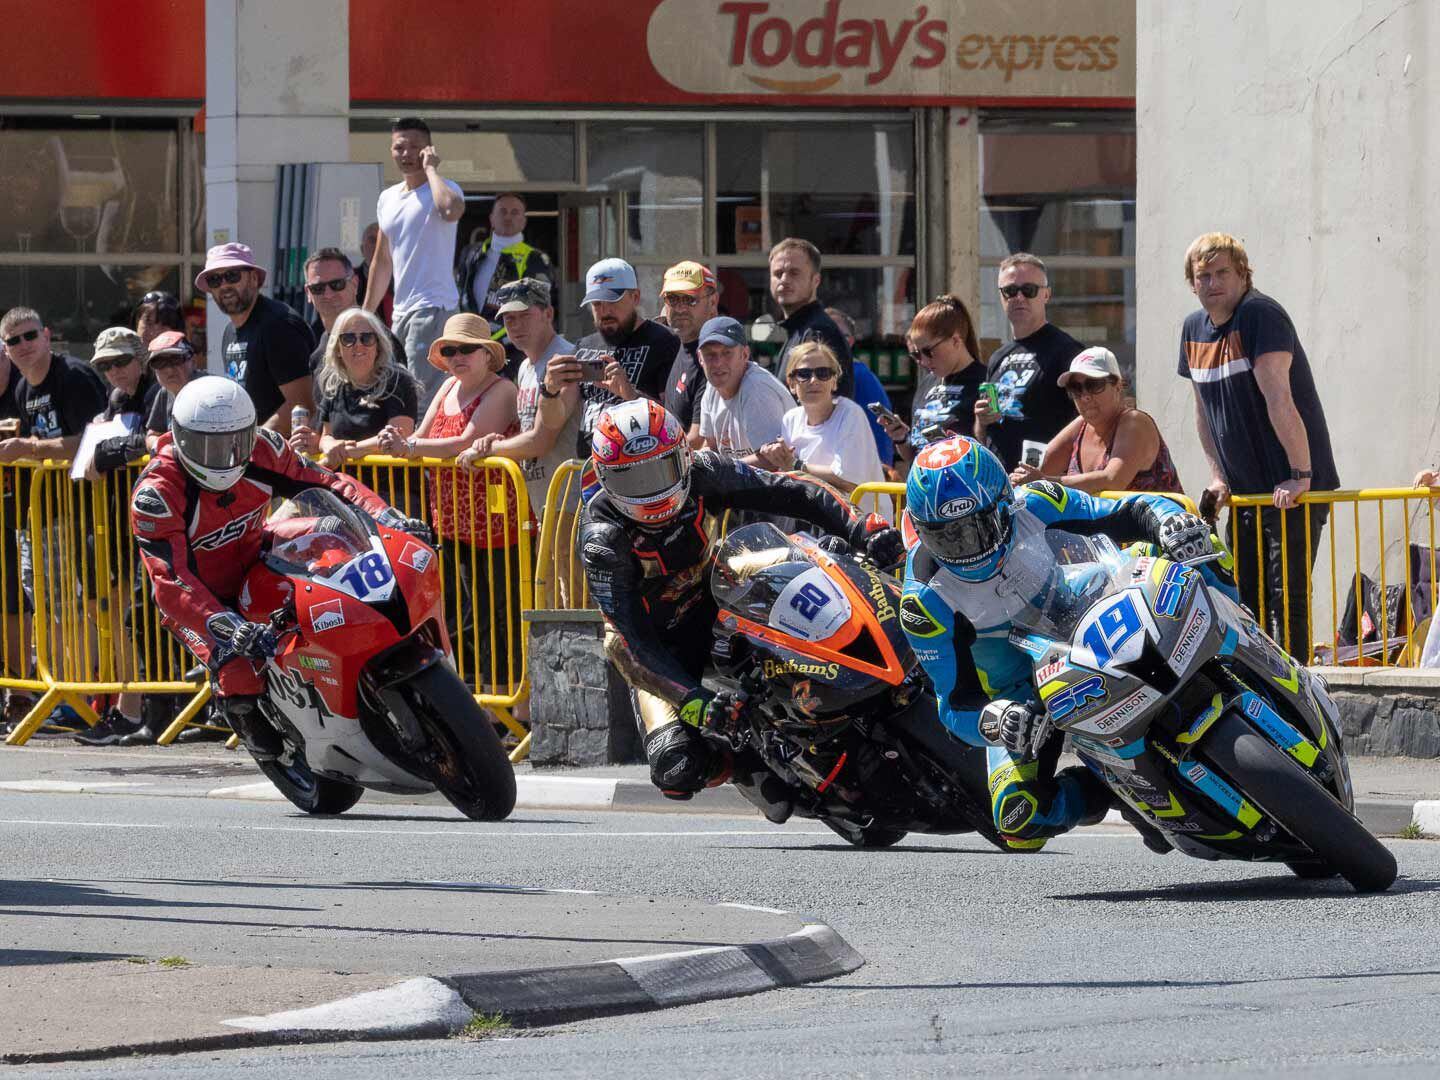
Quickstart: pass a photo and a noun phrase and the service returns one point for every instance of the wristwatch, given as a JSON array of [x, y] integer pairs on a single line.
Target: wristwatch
[[1301, 474], [545, 393]]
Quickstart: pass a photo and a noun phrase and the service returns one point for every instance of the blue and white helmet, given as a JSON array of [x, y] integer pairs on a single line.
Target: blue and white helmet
[[962, 507]]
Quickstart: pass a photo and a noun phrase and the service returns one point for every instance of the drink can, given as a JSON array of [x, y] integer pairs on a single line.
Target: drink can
[[991, 393], [299, 417]]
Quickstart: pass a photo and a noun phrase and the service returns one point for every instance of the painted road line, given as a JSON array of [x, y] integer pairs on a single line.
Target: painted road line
[[68, 787]]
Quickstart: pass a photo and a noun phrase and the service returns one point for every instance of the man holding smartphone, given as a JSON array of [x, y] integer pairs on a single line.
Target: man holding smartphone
[[628, 355]]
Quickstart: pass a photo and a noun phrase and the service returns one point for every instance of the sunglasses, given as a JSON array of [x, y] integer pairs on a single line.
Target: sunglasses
[[318, 288], [448, 351], [927, 351], [819, 374], [112, 362], [167, 360], [366, 338], [223, 277], [24, 335], [681, 299], [157, 298], [1082, 387], [1029, 290]]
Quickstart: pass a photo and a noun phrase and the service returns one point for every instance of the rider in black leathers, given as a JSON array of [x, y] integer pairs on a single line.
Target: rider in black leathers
[[649, 579]]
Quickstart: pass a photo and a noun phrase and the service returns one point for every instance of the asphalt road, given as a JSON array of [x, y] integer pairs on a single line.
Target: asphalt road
[[1094, 956]]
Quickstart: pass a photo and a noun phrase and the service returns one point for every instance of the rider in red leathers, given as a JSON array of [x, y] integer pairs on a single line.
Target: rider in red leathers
[[198, 513]]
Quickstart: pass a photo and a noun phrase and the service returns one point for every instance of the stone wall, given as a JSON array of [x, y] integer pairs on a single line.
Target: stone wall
[[580, 712], [1387, 712]]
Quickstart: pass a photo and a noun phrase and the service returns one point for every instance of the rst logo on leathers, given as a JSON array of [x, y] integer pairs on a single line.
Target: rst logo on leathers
[[227, 533]]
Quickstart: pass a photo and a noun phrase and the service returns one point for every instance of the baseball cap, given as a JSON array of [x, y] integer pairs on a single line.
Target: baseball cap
[[686, 277], [172, 341], [608, 280], [1096, 362], [117, 341], [521, 295], [724, 329]]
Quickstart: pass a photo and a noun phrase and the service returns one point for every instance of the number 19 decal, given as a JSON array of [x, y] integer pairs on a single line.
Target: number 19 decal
[[1113, 635]]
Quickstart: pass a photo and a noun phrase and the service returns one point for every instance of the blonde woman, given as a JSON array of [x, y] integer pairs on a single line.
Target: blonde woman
[[826, 435], [359, 390]]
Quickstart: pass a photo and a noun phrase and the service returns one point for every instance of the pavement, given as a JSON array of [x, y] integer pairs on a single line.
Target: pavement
[[535, 955]]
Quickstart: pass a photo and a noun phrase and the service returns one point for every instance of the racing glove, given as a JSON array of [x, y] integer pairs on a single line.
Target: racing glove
[[885, 547], [1010, 724], [117, 452], [719, 713], [394, 519], [238, 638], [1184, 537]]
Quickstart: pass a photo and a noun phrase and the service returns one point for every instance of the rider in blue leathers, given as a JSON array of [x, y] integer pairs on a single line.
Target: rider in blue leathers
[[980, 558]]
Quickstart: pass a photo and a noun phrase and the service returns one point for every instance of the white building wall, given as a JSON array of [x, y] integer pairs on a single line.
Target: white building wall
[[1308, 130]]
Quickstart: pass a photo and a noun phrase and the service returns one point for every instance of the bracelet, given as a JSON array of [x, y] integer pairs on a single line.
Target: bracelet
[[410, 447], [545, 392]]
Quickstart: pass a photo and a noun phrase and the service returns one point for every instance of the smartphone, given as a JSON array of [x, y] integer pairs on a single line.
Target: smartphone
[[881, 413], [592, 371]]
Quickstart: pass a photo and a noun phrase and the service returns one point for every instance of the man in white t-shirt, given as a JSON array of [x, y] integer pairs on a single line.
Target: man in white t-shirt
[[417, 247], [743, 404]]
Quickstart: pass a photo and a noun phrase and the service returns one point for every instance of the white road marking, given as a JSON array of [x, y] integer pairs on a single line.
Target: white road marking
[[361, 831], [754, 907], [67, 787]]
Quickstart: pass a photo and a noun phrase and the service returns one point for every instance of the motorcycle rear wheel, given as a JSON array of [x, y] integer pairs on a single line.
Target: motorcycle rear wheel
[[472, 772], [313, 794], [865, 836], [1299, 804]]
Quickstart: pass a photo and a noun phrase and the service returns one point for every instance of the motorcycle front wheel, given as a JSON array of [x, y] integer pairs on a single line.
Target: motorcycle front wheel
[[1294, 800], [466, 761], [311, 793]]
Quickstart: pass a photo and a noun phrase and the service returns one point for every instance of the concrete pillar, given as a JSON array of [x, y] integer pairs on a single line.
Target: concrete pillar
[[277, 90], [962, 206]]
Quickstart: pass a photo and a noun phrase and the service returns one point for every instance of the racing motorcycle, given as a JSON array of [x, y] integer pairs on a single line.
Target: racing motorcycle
[[362, 687], [1213, 736], [836, 704]]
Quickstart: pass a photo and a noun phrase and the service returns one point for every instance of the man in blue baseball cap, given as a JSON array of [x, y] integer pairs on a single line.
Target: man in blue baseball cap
[[743, 404], [628, 356]]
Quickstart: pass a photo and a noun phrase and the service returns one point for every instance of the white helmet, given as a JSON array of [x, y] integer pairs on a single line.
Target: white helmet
[[213, 424]]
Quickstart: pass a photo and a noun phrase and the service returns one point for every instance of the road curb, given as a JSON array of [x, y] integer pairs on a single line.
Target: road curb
[[436, 1007]]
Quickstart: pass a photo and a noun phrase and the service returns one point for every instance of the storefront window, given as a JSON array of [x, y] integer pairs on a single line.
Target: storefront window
[[488, 153], [659, 171], [847, 188], [1063, 188], [78, 302]]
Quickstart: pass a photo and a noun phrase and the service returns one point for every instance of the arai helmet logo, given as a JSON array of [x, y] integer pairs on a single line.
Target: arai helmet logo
[[641, 444], [958, 508]]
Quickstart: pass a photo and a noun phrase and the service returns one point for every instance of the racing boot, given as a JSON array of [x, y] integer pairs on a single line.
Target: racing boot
[[1093, 790], [243, 714], [682, 762], [769, 794], [1153, 837]]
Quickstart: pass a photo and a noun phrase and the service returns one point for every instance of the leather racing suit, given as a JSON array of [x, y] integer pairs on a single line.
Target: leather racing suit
[[651, 585], [197, 545], [960, 633]]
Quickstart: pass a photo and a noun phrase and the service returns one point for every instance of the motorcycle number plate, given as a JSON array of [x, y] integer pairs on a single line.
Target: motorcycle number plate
[[811, 607], [366, 577]]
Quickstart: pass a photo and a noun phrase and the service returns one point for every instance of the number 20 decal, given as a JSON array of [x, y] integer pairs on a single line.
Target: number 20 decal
[[808, 601]]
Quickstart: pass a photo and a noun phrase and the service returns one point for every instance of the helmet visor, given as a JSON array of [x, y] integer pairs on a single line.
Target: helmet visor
[[968, 539], [215, 450], [646, 479]]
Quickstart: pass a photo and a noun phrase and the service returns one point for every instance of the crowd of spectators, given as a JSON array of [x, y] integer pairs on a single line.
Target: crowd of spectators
[[418, 354]]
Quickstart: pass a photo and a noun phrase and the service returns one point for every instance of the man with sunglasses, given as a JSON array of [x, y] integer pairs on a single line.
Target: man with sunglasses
[[691, 300], [333, 287], [57, 395], [267, 346], [1027, 369]]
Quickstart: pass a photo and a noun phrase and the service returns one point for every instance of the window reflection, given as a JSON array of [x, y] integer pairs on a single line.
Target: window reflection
[[660, 171], [78, 302], [493, 152]]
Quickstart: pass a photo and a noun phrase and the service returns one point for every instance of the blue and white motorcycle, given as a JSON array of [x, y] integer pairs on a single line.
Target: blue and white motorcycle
[[1218, 740]]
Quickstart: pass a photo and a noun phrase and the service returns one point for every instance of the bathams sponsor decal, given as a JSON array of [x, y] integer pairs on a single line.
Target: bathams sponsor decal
[[775, 668]]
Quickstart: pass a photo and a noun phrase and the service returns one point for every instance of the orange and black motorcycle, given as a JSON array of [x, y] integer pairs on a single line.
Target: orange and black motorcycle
[[836, 704]]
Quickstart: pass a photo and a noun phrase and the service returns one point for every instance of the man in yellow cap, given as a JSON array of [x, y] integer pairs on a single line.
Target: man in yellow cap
[[691, 300]]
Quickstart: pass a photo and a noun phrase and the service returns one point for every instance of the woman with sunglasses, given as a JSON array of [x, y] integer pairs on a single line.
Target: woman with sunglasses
[[827, 435], [360, 390], [478, 536], [941, 339], [1110, 446]]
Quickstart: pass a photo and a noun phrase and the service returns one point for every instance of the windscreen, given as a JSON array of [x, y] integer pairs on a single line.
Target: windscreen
[[760, 574], [1086, 568], [318, 533]]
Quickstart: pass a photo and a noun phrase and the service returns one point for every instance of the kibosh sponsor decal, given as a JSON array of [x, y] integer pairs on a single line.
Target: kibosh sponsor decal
[[879, 47]]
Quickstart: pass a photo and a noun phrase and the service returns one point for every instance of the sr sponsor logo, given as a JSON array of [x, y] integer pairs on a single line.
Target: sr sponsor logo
[[1076, 697]]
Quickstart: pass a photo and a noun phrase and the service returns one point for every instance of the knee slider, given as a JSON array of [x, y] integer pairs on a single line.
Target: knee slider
[[1015, 815], [679, 759]]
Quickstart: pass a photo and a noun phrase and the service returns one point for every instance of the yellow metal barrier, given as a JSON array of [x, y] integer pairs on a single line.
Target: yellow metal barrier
[[94, 628], [560, 582]]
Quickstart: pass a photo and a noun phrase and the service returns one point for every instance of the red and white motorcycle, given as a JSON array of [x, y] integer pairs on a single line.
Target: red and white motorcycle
[[362, 687]]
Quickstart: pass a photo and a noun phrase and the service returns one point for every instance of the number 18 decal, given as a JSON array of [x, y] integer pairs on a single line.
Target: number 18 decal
[[367, 574], [1113, 634]]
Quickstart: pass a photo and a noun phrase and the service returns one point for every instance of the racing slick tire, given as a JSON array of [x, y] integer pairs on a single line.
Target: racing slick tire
[[468, 765], [313, 794]]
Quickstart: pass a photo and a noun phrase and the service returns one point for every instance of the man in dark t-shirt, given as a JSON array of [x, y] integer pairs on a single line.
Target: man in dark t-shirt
[[691, 300], [795, 288], [1262, 428], [1026, 372], [644, 350], [267, 346]]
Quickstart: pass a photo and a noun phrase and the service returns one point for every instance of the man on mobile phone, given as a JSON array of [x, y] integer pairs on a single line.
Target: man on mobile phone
[[638, 352]]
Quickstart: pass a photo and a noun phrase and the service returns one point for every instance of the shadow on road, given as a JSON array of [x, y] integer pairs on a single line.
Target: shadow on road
[[35, 957], [53, 893], [905, 849], [1120, 984], [1279, 887], [456, 819]]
